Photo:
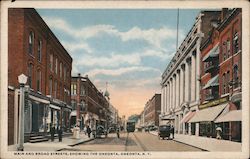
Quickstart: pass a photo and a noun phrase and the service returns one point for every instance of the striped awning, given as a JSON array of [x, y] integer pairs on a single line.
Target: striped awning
[[234, 115], [187, 117], [214, 52], [212, 82]]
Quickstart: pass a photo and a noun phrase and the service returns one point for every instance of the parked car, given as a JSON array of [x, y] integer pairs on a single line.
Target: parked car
[[100, 130], [153, 128], [111, 130], [146, 129], [164, 131]]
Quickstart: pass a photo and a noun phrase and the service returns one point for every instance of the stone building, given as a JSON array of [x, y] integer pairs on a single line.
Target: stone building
[[35, 51], [181, 79]]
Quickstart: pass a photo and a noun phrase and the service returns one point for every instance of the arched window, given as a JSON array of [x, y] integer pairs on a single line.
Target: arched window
[[55, 89], [60, 70], [236, 42], [51, 62], [30, 74], [56, 66], [31, 42], [38, 80], [73, 104], [39, 50], [224, 83], [228, 48]]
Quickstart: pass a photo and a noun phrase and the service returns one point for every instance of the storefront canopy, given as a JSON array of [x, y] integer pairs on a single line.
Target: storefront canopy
[[187, 117], [212, 82], [214, 52], [234, 115], [208, 114], [54, 107]]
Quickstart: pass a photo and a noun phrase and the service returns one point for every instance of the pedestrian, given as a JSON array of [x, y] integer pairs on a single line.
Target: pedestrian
[[52, 132], [88, 131], [172, 131], [85, 130], [118, 132], [59, 132]]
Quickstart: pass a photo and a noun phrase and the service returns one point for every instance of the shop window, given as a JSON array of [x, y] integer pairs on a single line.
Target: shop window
[[236, 43], [39, 79], [30, 74], [31, 42], [39, 51]]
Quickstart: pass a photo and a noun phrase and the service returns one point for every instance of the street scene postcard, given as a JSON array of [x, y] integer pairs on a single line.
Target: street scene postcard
[[120, 79]]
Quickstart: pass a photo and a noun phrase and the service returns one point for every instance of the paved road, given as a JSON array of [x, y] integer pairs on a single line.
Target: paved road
[[138, 141]]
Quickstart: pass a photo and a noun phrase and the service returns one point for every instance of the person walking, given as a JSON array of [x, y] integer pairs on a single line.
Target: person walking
[[52, 132], [118, 132], [172, 131], [59, 132], [88, 131]]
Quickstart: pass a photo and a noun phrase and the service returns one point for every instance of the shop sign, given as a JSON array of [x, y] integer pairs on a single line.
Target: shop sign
[[214, 103]]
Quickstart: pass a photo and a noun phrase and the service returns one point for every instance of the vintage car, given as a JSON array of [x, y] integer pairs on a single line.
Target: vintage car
[[164, 131], [100, 131]]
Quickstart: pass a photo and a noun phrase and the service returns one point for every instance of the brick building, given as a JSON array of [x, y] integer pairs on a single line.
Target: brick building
[[221, 77], [36, 52], [152, 111], [90, 106]]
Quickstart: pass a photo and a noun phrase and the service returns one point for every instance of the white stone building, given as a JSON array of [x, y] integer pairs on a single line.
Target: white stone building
[[181, 79]]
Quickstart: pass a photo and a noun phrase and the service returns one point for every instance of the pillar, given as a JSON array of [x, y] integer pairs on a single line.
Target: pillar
[[198, 70], [177, 98], [174, 91], [162, 98], [193, 79], [187, 87]]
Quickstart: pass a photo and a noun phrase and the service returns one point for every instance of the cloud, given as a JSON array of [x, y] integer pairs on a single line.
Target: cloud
[[152, 36], [76, 47], [120, 71]]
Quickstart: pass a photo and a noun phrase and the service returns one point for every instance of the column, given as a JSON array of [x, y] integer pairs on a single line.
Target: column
[[165, 98], [198, 70], [181, 86], [162, 99], [187, 88], [193, 85], [177, 89], [179, 124], [170, 97], [174, 90]]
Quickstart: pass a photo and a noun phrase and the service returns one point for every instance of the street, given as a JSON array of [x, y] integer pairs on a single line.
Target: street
[[137, 141]]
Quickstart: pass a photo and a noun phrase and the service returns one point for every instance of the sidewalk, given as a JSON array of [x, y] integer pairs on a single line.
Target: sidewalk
[[66, 143], [205, 143]]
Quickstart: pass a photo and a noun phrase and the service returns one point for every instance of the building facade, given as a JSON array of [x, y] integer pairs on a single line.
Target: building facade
[[152, 111], [221, 78], [181, 79], [90, 106], [35, 51]]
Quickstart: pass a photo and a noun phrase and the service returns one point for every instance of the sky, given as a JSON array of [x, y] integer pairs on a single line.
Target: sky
[[128, 48]]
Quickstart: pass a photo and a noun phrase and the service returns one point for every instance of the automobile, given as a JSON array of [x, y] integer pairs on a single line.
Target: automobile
[[153, 128], [146, 129], [164, 131], [100, 130], [111, 130]]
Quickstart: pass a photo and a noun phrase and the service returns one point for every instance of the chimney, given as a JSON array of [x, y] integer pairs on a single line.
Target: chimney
[[223, 13]]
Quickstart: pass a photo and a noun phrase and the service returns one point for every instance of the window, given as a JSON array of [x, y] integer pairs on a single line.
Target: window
[[56, 63], [30, 73], [60, 70], [228, 79], [224, 83], [228, 48], [39, 79], [64, 73], [224, 51], [236, 43], [51, 62], [65, 94], [55, 89], [39, 51], [73, 104], [73, 89], [236, 76], [50, 86], [82, 90], [31, 42]]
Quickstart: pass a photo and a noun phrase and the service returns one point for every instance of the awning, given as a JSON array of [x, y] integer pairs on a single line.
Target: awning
[[234, 115], [214, 52], [54, 107], [73, 113], [187, 117], [212, 82], [39, 99], [208, 114]]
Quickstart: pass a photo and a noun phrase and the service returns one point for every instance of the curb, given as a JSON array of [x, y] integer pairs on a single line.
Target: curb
[[81, 142], [183, 143]]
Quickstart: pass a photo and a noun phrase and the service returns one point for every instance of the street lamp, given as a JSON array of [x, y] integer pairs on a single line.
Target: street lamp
[[22, 79]]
